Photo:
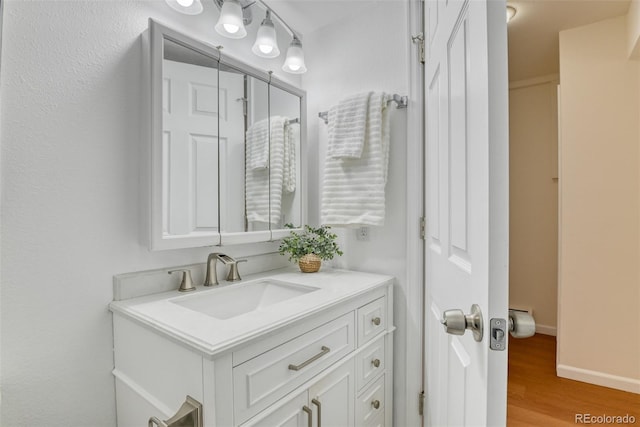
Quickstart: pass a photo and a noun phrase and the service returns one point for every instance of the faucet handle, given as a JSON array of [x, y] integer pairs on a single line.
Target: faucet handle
[[186, 285], [234, 275]]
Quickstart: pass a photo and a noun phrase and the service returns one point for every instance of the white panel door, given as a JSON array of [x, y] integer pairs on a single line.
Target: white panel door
[[190, 148], [466, 207]]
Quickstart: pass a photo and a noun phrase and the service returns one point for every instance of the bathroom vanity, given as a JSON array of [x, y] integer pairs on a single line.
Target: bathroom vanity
[[278, 348]]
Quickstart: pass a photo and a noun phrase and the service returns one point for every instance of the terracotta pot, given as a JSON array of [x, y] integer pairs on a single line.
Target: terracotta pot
[[310, 263]]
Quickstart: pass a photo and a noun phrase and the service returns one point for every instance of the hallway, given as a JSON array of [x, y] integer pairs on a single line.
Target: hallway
[[537, 397]]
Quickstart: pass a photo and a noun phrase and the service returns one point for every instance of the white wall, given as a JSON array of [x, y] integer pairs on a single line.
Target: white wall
[[533, 199], [367, 52], [599, 281], [71, 128]]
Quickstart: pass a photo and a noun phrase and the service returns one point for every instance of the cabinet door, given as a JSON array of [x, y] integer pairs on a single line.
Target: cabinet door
[[289, 413], [333, 398]]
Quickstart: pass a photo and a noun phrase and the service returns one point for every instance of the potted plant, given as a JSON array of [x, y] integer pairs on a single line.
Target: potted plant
[[310, 247]]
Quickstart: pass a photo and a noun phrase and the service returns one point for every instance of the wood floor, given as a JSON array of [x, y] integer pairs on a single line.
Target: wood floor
[[537, 397]]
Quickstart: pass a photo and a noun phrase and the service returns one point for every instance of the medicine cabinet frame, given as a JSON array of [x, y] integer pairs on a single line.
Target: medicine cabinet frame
[[153, 156]]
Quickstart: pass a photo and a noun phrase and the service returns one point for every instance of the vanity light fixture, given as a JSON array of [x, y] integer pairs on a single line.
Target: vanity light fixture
[[236, 14], [188, 7], [511, 12], [266, 44], [230, 23], [295, 58]]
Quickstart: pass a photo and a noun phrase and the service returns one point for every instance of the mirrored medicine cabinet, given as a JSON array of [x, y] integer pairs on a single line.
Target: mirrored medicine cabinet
[[226, 147]]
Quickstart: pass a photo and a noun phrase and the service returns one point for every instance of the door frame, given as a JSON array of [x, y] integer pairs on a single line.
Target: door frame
[[408, 412]]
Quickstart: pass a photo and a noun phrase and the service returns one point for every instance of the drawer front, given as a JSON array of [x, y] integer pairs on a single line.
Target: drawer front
[[372, 320], [371, 404], [266, 378], [370, 362]]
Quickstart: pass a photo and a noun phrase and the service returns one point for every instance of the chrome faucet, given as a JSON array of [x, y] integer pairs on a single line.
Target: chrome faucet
[[211, 278]]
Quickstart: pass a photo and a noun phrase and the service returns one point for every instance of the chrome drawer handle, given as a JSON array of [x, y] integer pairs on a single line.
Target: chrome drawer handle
[[375, 363], [375, 321], [317, 403], [375, 404], [189, 415], [309, 412], [324, 351]]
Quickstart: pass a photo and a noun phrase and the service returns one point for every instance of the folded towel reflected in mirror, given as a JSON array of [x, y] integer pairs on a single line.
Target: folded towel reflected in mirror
[[271, 167]]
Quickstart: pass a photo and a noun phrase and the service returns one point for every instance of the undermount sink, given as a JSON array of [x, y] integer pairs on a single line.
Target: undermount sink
[[237, 299]]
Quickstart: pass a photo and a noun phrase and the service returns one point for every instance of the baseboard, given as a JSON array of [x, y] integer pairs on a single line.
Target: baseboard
[[546, 330], [599, 378]]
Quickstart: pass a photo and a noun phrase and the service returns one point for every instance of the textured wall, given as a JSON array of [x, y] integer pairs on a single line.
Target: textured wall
[[360, 57], [72, 122]]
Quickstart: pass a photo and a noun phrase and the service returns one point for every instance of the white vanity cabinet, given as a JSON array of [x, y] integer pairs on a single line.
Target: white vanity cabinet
[[329, 367]]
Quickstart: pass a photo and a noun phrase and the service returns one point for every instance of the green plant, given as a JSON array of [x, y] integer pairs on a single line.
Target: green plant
[[319, 241]]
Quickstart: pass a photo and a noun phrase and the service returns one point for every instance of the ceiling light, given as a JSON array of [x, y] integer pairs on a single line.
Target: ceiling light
[[295, 58], [188, 7], [230, 22], [511, 12], [266, 44]]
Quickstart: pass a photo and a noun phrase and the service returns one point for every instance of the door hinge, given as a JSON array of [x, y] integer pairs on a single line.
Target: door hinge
[[421, 403], [419, 40], [423, 227]]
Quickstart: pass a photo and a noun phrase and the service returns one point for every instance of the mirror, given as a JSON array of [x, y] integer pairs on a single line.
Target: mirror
[[190, 139], [226, 148], [286, 200]]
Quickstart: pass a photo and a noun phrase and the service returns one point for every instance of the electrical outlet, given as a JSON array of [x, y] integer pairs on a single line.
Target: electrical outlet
[[362, 234]]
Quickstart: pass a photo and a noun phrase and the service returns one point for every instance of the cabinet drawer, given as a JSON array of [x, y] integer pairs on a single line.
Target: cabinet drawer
[[370, 362], [372, 319], [371, 404], [263, 380]]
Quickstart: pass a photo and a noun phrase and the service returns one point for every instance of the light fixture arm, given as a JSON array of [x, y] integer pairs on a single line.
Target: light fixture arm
[[290, 30]]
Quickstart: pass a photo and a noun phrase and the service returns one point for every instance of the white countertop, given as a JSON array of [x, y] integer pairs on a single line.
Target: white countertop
[[210, 336]]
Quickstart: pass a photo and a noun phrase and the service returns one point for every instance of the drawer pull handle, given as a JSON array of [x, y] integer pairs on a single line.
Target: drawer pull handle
[[375, 363], [324, 351], [309, 412], [375, 321], [375, 404], [317, 403]]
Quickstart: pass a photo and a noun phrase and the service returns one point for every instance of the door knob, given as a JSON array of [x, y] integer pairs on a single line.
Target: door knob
[[456, 322]]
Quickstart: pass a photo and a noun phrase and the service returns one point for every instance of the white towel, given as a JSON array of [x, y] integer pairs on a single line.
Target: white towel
[[347, 126], [264, 186], [257, 148], [354, 189], [291, 136]]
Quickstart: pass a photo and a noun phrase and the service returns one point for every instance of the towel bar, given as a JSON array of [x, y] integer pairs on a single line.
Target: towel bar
[[401, 102]]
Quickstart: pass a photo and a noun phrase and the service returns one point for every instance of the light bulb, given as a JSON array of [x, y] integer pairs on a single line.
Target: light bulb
[[265, 48], [266, 44], [231, 28], [511, 12], [294, 63], [188, 7], [230, 23]]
